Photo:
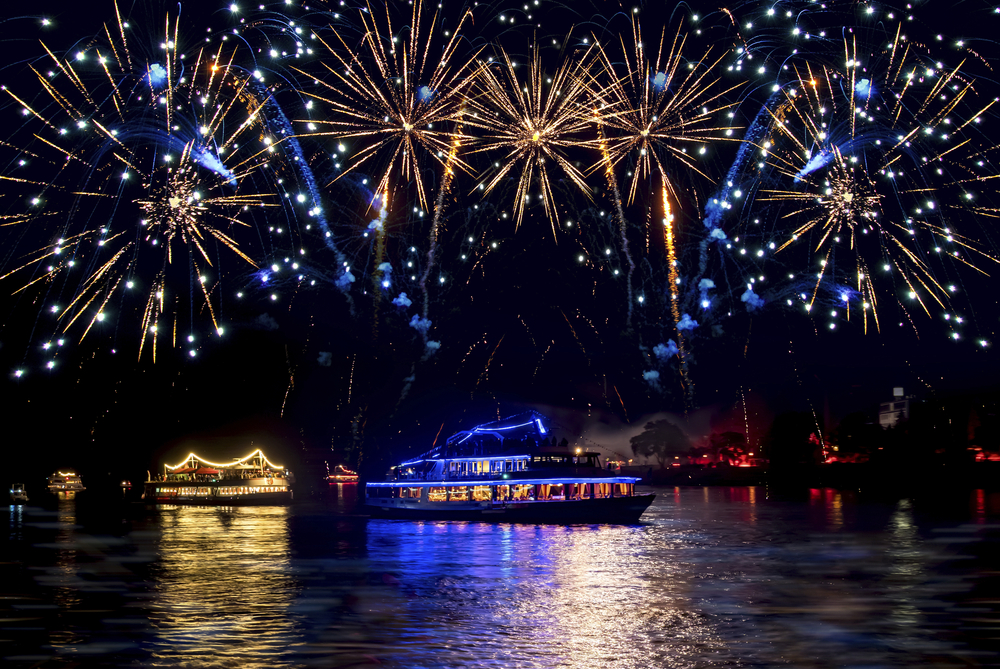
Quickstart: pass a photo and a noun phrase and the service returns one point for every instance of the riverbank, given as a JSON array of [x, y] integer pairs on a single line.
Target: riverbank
[[902, 477]]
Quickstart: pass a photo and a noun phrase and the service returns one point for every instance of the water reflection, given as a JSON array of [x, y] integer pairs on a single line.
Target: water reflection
[[223, 589], [495, 595], [714, 577]]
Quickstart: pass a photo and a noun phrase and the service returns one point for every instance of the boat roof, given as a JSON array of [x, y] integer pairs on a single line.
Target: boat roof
[[492, 438], [528, 424]]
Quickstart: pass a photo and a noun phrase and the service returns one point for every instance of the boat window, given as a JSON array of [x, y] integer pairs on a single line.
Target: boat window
[[557, 492], [503, 491], [524, 492], [458, 493], [437, 494], [507, 466], [482, 493]]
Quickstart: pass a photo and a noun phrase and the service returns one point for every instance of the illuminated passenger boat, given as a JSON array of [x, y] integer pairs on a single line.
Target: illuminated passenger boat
[[18, 495], [342, 474], [65, 482], [507, 471], [249, 480]]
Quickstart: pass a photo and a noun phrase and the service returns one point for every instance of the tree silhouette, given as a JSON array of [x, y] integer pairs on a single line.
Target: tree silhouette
[[857, 436], [662, 440], [793, 440], [729, 447]]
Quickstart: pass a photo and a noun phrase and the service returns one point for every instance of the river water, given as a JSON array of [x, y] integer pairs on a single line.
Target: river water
[[712, 577]]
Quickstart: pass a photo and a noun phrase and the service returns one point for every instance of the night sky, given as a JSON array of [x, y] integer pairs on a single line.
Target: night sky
[[890, 162]]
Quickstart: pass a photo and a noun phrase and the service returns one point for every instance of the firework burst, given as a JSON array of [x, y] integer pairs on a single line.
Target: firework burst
[[531, 124], [657, 106], [879, 161], [141, 167], [394, 99]]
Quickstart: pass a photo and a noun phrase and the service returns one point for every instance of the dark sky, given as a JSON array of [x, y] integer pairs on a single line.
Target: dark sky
[[524, 317]]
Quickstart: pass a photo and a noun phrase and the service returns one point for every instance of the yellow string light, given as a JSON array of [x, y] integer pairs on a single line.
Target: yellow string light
[[192, 456]]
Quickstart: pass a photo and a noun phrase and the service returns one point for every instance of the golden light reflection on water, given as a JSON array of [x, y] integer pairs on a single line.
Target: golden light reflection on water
[[224, 590]]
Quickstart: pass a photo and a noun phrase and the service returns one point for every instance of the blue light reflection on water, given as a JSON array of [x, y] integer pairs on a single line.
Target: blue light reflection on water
[[714, 577]]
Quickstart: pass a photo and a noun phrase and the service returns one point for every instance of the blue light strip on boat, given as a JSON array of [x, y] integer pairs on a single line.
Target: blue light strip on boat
[[480, 428], [468, 482], [482, 458]]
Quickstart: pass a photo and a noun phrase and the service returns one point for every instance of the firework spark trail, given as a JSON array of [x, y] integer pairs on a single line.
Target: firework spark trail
[[668, 238], [575, 336], [304, 171], [489, 361], [609, 174], [378, 274], [532, 123], [439, 205]]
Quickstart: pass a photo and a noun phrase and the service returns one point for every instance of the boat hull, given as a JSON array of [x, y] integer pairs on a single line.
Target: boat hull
[[165, 493], [617, 510]]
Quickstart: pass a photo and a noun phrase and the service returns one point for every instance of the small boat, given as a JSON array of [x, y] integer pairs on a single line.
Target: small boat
[[65, 482], [507, 471], [126, 484], [252, 479], [342, 474], [18, 495]]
